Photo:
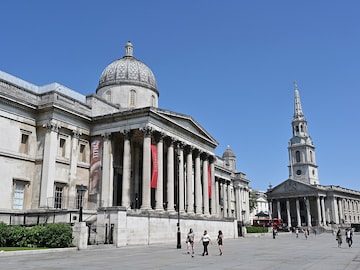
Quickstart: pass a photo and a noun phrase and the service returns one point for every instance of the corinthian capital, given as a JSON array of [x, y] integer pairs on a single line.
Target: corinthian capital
[[52, 126], [147, 130]]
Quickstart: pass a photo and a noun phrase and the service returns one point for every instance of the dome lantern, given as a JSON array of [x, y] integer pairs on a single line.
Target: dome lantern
[[128, 76]]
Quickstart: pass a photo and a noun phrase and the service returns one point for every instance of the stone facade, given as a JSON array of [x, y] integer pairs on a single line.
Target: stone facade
[[136, 161]]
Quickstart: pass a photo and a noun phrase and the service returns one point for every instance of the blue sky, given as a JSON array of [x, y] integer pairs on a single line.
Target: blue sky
[[228, 64]]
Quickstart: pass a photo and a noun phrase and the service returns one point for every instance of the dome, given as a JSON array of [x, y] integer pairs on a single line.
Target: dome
[[228, 153], [128, 71]]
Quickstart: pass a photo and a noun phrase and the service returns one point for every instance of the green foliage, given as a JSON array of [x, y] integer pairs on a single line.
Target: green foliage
[[3, 234], [51, 236], [253, 229], [58, 235]]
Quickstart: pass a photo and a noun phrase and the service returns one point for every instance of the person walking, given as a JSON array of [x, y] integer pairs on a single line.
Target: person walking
[[205, 239], [190, 242], [297, 232], [220, 241], [339, 238], [305, 233], [349, 235]]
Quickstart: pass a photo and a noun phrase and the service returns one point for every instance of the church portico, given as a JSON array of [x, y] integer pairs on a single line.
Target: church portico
[[298, 211]]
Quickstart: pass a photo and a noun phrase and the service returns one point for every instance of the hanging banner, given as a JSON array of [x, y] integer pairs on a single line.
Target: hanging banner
[[95, 165], [209, 181], [154, 158]]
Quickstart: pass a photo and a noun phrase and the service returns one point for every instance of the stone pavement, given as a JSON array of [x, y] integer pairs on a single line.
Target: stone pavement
[[284, 252]]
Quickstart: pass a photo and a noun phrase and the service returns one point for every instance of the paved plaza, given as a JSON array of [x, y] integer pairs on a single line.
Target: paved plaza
[[284, 252]]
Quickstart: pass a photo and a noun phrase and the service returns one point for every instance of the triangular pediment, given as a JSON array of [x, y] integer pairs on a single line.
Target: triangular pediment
[[187, 123], [293, 187]]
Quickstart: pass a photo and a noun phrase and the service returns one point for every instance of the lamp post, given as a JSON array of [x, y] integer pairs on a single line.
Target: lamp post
[[242, 217], [81, 190], [178, 197]]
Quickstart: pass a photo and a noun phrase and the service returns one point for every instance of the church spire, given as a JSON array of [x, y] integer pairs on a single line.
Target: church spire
[[301, 147], [298, 113]]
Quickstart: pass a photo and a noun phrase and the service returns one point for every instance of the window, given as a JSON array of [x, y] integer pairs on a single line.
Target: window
[[297, 155], [153, 101], [24, 142], [18, 199], [108, 96], [62, 149], [132, 99], [58, 196], [311, 156], [82, 156]]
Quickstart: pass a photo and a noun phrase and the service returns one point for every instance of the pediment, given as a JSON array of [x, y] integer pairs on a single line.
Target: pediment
[[187, 123], [293, 186]]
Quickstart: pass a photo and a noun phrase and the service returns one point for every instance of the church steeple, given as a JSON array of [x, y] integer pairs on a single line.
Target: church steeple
[[298, 114], [301, 147]]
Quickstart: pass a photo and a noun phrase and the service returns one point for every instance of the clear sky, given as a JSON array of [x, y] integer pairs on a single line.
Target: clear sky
[[228, 64]]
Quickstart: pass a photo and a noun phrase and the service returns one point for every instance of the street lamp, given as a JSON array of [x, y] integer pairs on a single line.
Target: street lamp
[[242, 217], [81, 191], [178, 197]]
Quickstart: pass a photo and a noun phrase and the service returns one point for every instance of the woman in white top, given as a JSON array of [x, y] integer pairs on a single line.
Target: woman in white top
[[205, 239]]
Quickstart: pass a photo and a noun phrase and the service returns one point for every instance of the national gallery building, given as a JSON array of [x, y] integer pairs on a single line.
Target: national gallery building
[[301, 201], [133, 172]]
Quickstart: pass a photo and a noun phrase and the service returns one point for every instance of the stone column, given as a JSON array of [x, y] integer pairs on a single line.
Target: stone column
[[322, 201], [198, 194], [170, 176], [318, 207], [146, 175], [126, 171], [335, 211], [189, 181], [181, 191], [107, 172], [48, 165], [278, 207], [308, 212], [205, 186], [341, 214], [237, 201], [288, 213], [218, 210], [298, 213], [247, 206], [214, 202], [73, 168], [271, 209], [225, 201], [229, 200], [160, 186]]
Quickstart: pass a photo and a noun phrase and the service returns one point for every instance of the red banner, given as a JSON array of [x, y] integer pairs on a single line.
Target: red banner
[[154, 157], [95, 165], [209, 182]]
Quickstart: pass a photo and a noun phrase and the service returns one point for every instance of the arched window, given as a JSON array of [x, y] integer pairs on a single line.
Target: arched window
[[311, 156], [301, 128], [297, 128], [297, 155], [132, 99], [153, 101], [108, 96]]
